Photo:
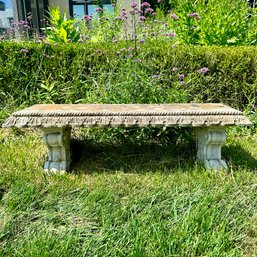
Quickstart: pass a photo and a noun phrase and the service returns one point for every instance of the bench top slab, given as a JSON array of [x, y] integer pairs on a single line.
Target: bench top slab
[[87, 115]]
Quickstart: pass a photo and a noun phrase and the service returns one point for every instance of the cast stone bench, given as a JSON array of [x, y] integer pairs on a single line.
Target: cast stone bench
[[56, 120]]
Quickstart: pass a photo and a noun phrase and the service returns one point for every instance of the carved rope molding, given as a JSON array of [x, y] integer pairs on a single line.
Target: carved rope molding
[[128, 113]]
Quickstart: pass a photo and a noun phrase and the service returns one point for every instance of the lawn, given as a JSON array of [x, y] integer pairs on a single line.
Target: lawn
[[131, 193], [127, 199]]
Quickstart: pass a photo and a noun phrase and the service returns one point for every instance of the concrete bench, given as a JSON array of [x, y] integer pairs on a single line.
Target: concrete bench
[[208, 120]]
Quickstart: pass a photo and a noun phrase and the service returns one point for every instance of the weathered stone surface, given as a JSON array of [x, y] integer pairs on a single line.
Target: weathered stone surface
[[209, 121], [90, 115]]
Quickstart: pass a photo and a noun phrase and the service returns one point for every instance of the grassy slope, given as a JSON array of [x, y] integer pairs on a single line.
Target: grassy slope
[[120, 200]]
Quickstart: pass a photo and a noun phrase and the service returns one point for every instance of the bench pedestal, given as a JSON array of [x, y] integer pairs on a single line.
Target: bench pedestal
[[57, 141], [208, 144]]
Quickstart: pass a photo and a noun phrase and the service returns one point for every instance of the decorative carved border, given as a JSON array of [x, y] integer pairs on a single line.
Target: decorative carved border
[[126, 121]]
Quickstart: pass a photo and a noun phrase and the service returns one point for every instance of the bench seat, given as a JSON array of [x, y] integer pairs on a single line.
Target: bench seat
[[56, 120]]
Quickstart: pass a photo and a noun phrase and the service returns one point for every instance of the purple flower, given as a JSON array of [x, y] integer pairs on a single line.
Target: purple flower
[[181, 76], [133, 12], [138, 48], [159, 1], [145, 4], [23, 50], [138, 60], [123, 9], [194, 15], [118, 18], [182, 82], [155, 76], [174, 16], [124, 14], [115, 40], [203, 70], [154, 13], [148, 10], [171, 34], [141, 41], [87, 18], [99, 9], [142, 18], [133, 4]]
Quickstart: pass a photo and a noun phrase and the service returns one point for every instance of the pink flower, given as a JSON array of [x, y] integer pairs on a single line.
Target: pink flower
[[23, 50], [133, 12], [171, 34], [142, 18], [148, 10], [133, 4], [145, 4], [174, 16], [181, 76], [87, 18], [99, 9], [194, 15], [203, 70], [124, 14]]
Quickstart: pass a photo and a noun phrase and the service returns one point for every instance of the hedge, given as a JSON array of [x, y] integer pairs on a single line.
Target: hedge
[[33, 73]]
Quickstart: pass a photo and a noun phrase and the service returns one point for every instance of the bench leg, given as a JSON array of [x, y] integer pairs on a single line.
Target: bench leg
[[57, 141], [208, 143]]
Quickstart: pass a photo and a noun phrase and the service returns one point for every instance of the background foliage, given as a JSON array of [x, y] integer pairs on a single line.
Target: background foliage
[[110, 73]]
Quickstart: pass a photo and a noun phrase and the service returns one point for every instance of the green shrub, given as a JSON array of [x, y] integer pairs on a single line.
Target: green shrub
[[214, 22], [109, 73]]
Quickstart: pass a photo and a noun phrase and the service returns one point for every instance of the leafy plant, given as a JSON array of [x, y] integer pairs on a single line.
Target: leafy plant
[[214, 22], [60, 29]]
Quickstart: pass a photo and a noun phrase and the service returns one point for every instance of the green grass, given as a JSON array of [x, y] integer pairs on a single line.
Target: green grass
[[137, 199]]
